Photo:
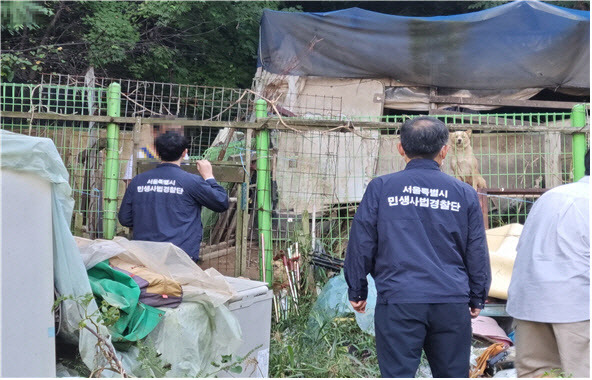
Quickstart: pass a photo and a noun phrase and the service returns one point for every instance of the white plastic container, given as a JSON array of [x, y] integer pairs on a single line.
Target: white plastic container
[[27, 326], [252, 308]]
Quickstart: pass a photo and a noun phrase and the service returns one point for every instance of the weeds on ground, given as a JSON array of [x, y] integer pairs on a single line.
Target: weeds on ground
[[556, 373], [337, 349], [105, 316]]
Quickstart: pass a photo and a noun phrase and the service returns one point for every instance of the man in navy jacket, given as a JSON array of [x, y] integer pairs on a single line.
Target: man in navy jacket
[[164, 204], [420, 234]]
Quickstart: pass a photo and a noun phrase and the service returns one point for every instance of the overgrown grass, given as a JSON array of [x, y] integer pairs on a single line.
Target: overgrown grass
[[337, 348]]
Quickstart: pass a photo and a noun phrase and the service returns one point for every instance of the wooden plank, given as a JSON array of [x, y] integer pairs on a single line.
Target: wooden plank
[[502, 191], [215, 247], [224, 171], [221, 225], [552, 159], [243, 225], [501, 102], [484, 208], [475, 122], [136, 140], [301, 125], [132, 120], [218, 253], [432, 105], [239, 231], [223, 150]]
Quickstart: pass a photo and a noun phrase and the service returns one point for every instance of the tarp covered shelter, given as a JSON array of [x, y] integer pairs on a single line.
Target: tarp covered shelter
[[520, 46]]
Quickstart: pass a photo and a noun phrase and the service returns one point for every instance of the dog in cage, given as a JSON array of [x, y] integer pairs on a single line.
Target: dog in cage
[[463, 162]]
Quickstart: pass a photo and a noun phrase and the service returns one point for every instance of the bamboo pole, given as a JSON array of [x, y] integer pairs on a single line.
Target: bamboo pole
[[112, 162], [579, 145], [264, 191]]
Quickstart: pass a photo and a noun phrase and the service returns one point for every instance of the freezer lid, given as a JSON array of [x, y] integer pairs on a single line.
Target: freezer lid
[[246, 288]]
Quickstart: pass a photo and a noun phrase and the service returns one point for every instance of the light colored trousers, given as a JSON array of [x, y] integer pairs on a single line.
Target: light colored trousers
[[542, 347]]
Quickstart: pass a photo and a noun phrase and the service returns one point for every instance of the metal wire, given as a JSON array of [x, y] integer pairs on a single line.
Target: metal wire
[[319, 176]]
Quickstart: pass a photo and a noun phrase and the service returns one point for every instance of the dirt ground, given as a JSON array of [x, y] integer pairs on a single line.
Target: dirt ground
[[225, 264]]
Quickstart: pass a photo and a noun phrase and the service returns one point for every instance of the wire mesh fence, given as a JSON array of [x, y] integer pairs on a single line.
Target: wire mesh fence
[[157, 99], [318, 172], [322, 175], [81, 144]]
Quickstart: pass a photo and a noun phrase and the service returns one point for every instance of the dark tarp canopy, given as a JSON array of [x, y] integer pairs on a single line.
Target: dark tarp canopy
[[523, 44]]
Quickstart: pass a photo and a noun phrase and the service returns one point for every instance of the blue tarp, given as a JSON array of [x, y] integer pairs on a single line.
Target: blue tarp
[[523, 44]]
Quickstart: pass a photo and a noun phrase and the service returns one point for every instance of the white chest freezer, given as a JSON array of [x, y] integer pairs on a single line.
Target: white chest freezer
[[27, 332], [252, 308]]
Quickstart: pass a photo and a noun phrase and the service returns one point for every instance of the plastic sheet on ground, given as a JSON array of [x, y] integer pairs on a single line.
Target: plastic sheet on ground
[[488, 328], [508, 373], [424, 370], [333, 302], [63, 371], [189, 337], [162, 258], [502, 243]]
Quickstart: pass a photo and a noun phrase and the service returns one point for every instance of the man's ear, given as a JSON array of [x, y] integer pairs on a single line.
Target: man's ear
[[400, 149], [444, 151]]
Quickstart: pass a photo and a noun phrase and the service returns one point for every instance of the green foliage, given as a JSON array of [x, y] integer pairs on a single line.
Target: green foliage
[[228, 363], [106, 315], [32, 60], [17, 15], [556, 373], [151, 363], [197, 42], [75, 363], [112, 34], [337, 349]]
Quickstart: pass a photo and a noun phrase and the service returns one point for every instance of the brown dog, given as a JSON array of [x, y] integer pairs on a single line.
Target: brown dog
[[463, 162]]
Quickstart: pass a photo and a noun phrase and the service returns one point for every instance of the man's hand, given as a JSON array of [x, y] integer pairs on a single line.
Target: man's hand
[[474, 312], [359, 306], [205, 169]]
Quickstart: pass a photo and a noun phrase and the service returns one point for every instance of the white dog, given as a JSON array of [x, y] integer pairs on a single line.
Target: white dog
[[463, 162]]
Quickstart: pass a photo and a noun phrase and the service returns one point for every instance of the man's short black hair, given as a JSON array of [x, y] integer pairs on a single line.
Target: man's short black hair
[[170, 146], [423, 137], [587, 162]]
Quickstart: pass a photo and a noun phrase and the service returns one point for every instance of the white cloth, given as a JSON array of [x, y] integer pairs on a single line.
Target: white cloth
[[551, 275], [130, 163]]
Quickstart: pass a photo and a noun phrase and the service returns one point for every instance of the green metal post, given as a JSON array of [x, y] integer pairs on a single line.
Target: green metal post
[[579, 146], [112, 162], [264, 192]]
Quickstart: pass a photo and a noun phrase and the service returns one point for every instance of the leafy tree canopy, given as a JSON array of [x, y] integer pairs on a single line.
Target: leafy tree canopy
[[198, 42]]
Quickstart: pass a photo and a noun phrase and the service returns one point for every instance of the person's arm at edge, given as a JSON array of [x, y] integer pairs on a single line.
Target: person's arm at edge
[[210, 194], [215, 196], [361, 248], [125, 214], [127, 176], [477, 259]]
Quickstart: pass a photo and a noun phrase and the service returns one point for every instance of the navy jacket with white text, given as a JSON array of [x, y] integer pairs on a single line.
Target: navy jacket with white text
[[420, 234], [164, 204]]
